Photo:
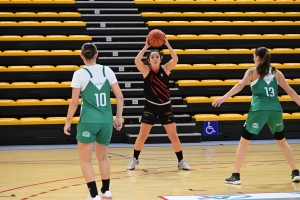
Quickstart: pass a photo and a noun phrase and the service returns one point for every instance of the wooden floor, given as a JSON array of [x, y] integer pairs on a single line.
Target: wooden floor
[[55, 173]]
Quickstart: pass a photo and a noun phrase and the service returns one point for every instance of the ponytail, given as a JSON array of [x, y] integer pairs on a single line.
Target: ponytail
[[265, 59]]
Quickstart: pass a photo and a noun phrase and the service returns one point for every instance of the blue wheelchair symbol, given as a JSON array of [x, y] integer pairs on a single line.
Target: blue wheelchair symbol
[[211, 128]]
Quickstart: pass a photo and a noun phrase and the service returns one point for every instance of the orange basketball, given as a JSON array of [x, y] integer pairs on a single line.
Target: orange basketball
[[156, 38]]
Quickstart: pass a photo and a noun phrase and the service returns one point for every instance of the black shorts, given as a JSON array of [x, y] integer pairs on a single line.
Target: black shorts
[[152, 111]]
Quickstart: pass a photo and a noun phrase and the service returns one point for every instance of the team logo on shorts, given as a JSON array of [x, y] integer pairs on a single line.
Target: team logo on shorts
[[86, 134], [255, 125]]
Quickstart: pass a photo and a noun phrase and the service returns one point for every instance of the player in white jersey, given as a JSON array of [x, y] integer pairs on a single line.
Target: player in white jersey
[[93, 83]]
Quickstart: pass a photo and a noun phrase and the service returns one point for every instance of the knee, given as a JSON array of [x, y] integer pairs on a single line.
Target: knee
[[173, 137], [101, 158], [142, 137]]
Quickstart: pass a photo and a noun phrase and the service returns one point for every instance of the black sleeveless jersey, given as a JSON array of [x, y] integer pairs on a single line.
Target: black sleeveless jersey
[[156, 86]]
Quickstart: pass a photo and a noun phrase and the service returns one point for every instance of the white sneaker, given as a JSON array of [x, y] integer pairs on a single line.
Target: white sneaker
[[133, 162], [96, 198], [182, 165], [106, 195]]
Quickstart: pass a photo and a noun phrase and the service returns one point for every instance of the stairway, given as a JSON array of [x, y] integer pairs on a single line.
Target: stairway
[[119, 34]]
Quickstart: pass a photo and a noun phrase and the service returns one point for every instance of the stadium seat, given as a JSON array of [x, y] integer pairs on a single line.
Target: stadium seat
[[51, 23], [230, 99], [231, 117], [47, 14], [231, 82], [208, 37], [281, 50], [4, 85], [61, 52], [29, 23], [200, 23], [246, 65], [287, 116], [43, 68], [28, 102], [32, 121], [25, 14], [194, 51], [23, 85], [252, 36], [291, 65], [48, 85], [183, 67], [296, 115], [179, 23], [18, 68], [56, 37], [204, 66], [9, 121], [55, 120], [240, 51], [33, 38], [197, 99], [211, 82], [217, 51], [7, 102], [14, 53], [206, 117], [64, 1], [242, 98], [113, 101], [73, 23], [156, 23], [285, 98], [42, 2], [227, 66], [77, 52], [292, 36], [151, 14], [7, 14], [187, 37], [5, 2], [189, 83], [8, 23], [79, 37], [3, 69], [67, 67], [230, 37], [168, 14], [11, 38], [69, 14], [65, 84], [48, 102], [192, 14], [38, 53]]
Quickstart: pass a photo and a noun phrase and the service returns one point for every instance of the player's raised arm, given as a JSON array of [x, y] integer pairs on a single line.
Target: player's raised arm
[[138, 59]]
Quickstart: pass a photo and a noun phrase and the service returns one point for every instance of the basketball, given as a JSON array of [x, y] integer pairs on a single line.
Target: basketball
[[156, 38]]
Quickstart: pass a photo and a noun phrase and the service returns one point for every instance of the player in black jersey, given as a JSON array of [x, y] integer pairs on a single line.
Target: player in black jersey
[[158, 103]]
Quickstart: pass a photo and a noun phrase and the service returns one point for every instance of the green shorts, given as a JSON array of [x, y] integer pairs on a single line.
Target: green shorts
[[89, 133], [257, 119]]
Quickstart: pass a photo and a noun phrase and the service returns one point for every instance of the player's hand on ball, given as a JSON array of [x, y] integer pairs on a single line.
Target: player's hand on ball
[[118, 124], [147, 45], [67, 128], [217, 102]]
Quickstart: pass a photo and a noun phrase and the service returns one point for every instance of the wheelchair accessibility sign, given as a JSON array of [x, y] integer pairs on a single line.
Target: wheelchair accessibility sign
[[211, 128]]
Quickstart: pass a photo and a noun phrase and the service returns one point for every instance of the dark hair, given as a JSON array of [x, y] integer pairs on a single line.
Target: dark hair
[[88, 50], [146, 62], [265, 59]]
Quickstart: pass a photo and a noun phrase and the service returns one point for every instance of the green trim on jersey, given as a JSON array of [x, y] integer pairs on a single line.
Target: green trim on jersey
[[265, 94], [89, 72], [96, 107]]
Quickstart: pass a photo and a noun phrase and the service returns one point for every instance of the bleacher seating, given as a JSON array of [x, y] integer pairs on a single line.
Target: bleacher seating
[[214, 39]]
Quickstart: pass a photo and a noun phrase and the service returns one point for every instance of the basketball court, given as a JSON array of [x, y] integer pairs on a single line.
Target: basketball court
[[53, 172]]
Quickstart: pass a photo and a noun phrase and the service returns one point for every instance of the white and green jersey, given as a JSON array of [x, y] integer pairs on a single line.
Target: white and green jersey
[[265, 93], [94, 82]]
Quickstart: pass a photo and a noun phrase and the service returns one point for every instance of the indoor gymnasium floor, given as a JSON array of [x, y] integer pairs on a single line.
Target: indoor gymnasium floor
[[53, 172]]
